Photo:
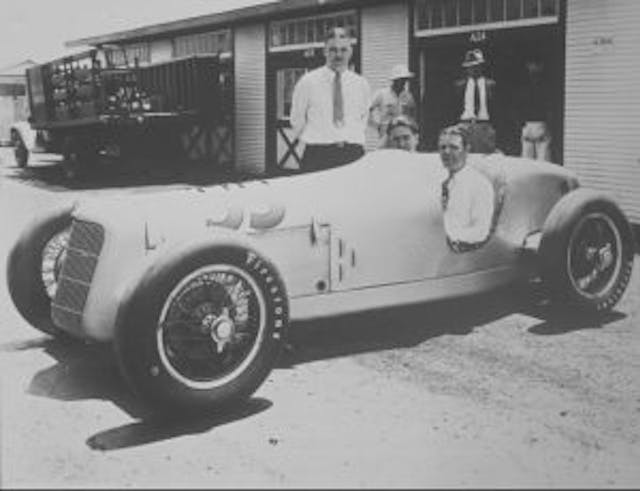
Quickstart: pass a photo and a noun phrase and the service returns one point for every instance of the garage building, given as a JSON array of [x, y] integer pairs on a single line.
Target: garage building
[[589, 48]]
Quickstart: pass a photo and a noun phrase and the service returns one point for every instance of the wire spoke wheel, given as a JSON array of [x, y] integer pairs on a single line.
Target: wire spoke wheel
[[586, 252], [211, 326], [53, 255], [594, 255], [202, 327]]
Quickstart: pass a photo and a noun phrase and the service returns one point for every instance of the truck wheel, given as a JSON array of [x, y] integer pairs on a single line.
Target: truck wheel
[[71, 157], [586, 251], [33, 267], [202, 328], [79, 152], [20, 150]]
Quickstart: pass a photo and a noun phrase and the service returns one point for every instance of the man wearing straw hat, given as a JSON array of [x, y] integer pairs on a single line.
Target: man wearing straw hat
[[392, 101]]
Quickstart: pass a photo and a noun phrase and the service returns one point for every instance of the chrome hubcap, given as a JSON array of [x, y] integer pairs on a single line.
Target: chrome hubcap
[[221, 329]]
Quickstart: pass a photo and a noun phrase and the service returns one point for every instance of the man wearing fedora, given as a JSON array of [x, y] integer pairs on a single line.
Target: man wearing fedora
[[476, 95], [392, 101]]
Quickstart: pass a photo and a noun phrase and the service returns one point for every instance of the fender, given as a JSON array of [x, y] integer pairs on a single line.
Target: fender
[[26, 133], [155, 260]]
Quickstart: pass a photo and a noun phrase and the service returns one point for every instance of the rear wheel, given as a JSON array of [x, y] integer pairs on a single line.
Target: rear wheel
[[586, 251]]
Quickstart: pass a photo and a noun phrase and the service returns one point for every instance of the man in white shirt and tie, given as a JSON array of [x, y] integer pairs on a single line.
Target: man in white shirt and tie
[[478, 103], [467, 194], [330, 108]]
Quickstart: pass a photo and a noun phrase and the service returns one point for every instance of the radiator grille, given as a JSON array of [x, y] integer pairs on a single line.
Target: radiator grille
[[87, 236], [85, 244], [79, 265], [71, 294]]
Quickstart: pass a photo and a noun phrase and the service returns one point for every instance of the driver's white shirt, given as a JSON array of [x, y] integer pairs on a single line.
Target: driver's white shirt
[[469, 210]]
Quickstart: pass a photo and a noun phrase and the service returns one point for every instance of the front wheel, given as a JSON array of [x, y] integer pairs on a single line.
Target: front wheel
[[586, 251], [202, 328]]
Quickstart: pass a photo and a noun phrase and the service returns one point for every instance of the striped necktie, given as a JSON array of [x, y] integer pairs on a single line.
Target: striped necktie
[[445, 191], [338, 103]]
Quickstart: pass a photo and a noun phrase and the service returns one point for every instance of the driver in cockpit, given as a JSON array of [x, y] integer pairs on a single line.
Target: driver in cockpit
[[467, 194]]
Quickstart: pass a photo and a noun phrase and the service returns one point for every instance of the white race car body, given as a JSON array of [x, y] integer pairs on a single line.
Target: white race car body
[[365, 235]]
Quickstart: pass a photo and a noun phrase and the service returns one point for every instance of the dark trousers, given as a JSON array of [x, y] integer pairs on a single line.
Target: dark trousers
[[318, 157]]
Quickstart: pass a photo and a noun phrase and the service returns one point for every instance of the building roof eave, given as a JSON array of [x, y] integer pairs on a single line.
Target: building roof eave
[[225, 18]]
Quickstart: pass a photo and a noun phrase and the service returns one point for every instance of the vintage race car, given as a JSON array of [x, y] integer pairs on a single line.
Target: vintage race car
[[197, 288]]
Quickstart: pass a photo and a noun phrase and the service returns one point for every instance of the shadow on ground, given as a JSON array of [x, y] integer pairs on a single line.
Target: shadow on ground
[[89, 371], [154, 430], [405, 327]]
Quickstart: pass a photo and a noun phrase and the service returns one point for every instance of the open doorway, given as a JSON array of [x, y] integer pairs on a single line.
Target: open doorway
[[506, 52]]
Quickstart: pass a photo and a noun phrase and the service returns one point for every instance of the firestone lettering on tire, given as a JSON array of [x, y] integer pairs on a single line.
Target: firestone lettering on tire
[[279, 312]]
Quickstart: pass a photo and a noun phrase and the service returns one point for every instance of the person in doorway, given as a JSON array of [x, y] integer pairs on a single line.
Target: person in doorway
[[392, 101], [402, 133], [477, 92], [467, 194], [534, 112], [330, 107]]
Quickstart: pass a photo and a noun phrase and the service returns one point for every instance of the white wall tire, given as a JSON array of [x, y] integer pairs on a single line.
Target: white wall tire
[[586, 252], [202, 328]]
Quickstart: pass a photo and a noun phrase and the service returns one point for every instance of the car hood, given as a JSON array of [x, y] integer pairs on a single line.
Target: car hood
[[298, 198], [295, 200], [302, 197]]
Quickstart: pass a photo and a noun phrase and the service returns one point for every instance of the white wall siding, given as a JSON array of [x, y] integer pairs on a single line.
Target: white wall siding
[[385, 43], [250, 81], [602, 113], [161, 50]]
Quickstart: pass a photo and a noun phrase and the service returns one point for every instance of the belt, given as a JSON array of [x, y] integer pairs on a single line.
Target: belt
[[335, 144], [475, 121]]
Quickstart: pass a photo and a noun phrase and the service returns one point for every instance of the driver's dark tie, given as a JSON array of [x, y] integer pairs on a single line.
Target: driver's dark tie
[[445, 191]]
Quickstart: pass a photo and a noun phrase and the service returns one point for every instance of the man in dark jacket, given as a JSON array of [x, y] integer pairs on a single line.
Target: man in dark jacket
[[475, 96]]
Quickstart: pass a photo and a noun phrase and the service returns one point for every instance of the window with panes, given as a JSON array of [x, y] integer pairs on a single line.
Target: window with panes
[[213, 42], [309, 31], [129, 55], [442, 15]]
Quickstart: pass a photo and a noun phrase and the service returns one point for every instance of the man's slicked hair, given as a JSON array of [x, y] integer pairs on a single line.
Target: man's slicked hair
[[457, 130], [336, 33]]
